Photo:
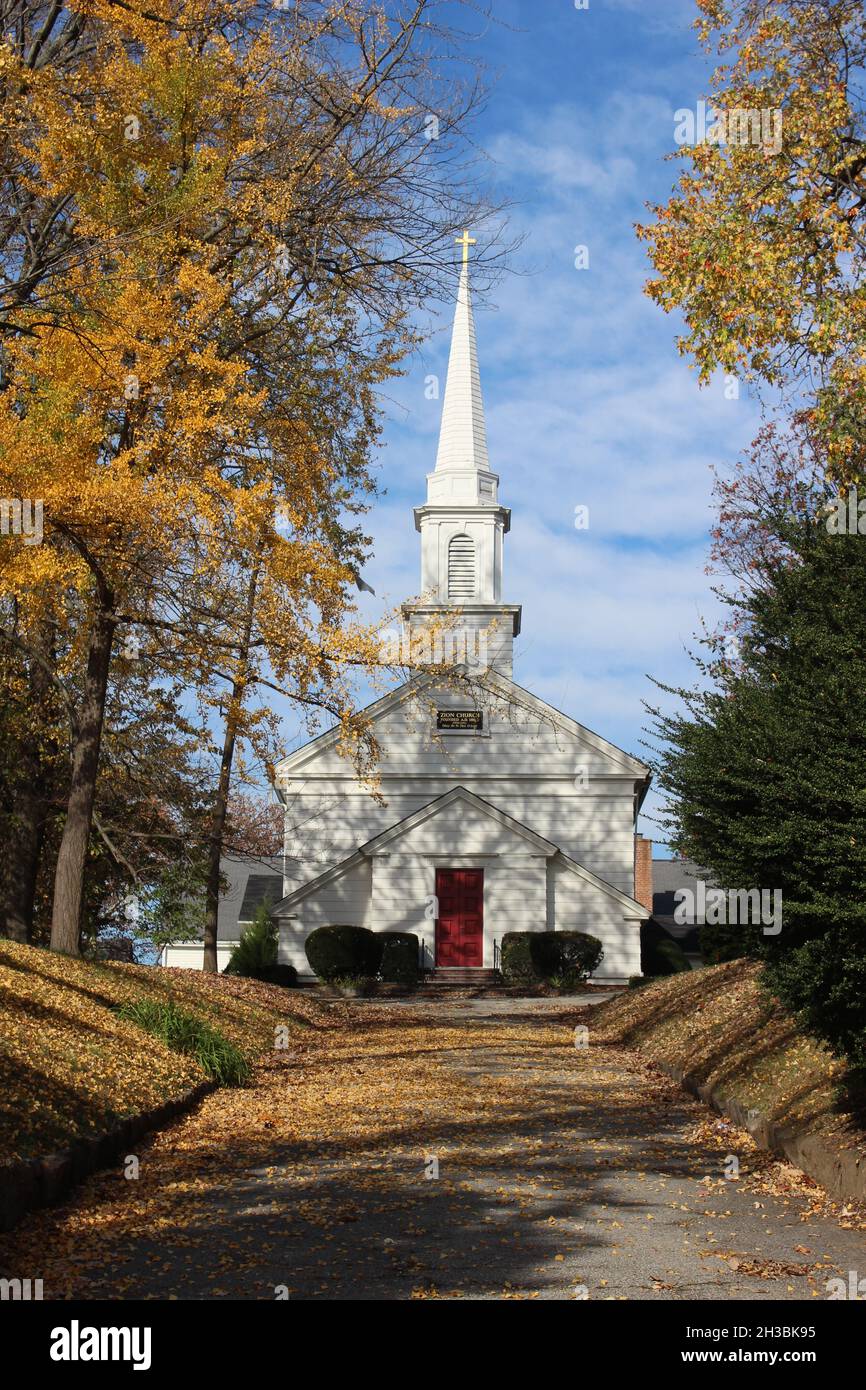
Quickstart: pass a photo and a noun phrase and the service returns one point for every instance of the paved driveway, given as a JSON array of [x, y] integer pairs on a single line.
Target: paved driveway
[[464, 1149]]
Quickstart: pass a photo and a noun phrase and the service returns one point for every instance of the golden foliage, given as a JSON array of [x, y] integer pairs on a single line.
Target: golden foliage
[[762, 245]]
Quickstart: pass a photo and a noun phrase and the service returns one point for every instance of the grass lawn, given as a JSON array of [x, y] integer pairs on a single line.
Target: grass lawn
[[70, 1068]]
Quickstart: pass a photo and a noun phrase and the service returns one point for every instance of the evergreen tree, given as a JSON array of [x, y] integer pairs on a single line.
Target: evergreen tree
[[256, 953], [765, 766]]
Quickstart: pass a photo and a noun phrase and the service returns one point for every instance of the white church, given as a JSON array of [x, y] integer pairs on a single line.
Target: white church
[[499, 812]]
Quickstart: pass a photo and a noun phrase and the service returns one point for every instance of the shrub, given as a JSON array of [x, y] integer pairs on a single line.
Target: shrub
[[279, 974], [216, 1055], [350, 984], [255, 956], [723, 941], [569, 980], [544, 955], [257, 949], [517, 967], [570, 954], [660, 954], [342, 950], [399, 964], [824, 983]]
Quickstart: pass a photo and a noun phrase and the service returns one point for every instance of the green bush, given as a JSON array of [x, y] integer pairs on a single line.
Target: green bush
[[516, 959], [660, 954], [216, 1055], [399, 964], [722, 941], [255, 956], [350, 984], [528, 957], [341, 950], [572, 955], [824, 983]]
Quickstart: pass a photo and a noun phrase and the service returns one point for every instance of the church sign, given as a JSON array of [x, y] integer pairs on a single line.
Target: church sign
[[459, 719]]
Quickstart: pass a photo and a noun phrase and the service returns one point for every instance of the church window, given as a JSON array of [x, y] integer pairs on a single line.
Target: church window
[[461, 567]]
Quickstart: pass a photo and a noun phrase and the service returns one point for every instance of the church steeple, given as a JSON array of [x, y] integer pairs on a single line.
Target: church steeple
[[462, 525], [463, 434]]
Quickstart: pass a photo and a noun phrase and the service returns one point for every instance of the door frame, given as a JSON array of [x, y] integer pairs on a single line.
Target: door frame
[[457, 869]]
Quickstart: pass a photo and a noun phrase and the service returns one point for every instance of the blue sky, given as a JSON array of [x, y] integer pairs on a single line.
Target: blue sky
[[587, 399]]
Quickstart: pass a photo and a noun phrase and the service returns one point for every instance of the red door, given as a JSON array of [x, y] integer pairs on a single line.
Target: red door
[[460, 928]]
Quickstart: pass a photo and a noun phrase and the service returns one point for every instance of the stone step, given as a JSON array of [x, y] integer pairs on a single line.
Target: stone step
[[463, 976]]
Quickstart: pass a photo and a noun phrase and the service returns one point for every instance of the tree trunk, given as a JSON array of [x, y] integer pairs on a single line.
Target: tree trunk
[[221, 801], [215, 839], [16, 923], [72, 856], [30, 810]]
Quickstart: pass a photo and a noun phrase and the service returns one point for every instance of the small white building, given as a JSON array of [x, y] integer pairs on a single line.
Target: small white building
[[249, 882], [499, 813]]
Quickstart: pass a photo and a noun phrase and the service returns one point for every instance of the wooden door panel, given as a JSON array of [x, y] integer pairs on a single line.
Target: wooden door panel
[[460, 925]]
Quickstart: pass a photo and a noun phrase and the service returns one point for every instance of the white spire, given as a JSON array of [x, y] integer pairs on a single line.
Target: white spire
[[462, 436], [462, 525]]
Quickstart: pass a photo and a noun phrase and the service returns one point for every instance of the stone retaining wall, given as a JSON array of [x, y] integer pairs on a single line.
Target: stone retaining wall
[[26, 1184], [841, 1172]]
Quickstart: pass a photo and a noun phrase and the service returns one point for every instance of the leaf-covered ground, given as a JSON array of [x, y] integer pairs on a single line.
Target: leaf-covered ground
[[454, 1150], [718, 1025], [69, 1067]]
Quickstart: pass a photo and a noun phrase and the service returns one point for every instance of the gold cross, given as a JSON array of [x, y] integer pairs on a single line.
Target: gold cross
[[465, 241]]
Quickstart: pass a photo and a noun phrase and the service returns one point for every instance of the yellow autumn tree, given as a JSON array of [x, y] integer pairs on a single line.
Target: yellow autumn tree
[[249, 208], [762, 245]]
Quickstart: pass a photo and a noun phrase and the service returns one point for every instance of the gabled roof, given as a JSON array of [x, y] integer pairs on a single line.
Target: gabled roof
[[438, 804], [499, 684], [260, 888], [630, 906], [669, 875], [436, 807]]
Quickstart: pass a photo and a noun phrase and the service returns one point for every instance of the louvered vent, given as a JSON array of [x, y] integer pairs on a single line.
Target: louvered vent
[[461, 568]]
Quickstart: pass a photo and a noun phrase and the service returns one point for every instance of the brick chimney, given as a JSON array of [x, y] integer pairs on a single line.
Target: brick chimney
[[643, 872]]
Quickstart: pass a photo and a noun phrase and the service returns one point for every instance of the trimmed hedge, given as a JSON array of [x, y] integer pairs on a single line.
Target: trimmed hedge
[[338, 950], [399, 964], [660, 954], [517, 966], [530, 956]]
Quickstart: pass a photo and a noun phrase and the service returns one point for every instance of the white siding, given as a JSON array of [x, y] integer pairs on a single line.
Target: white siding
[[564, 787], [579, 906], [525, 889], [595, 829], [191, 957], [343, 901]]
